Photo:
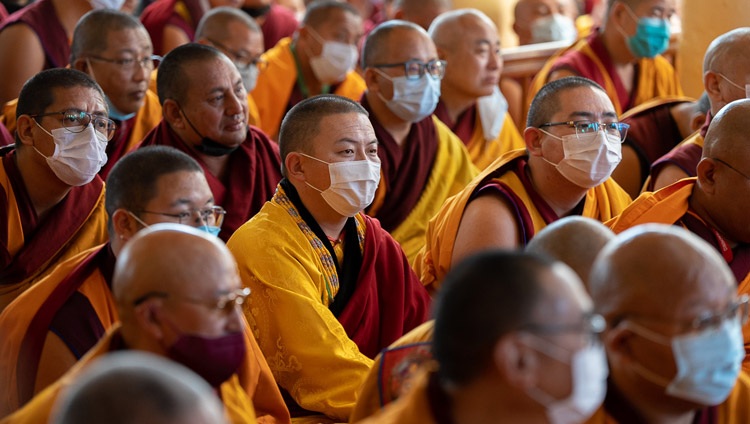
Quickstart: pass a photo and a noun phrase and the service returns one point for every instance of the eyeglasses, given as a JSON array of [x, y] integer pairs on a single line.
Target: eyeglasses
[[75, 121], [593, 325], [240, 57], [732, 168], [129, 64], [738, 308], [414, 69], [585, 127], [225, 302], [213, 215]]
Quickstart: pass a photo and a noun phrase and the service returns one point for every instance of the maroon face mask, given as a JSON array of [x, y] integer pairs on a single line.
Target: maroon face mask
[[214, 359]]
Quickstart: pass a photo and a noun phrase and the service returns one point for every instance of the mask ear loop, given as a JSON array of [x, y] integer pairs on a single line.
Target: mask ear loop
[[653, 337]]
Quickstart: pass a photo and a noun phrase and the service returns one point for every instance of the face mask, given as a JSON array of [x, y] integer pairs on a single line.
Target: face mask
[[78, 156], [207, 145], [413, 100], [214, 359], [589, 158], [335, 61], [107, 4], [353, 185], [116, 114], [588, 368], [708, 362], [651, 38], [492, 110], [553, 27], [249, 76], [210, 229]]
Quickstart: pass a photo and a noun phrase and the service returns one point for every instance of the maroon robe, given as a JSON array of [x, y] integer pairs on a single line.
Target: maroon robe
[[41, 17], [118, 146], [254, 172], [279, 23], [405, 169], [161, 13], [685, 157], [464, 125]]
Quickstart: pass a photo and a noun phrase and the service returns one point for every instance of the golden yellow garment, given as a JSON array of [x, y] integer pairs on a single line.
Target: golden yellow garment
[[451, 171], [484, 152], [601, 202], [414, 407], [276, 81]]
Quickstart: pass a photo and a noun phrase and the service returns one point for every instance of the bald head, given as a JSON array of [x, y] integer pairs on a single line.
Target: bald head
[[575, 241], [728, 50], [726, 136], [218, 22], [91, 33], [376, 45], [450, 27]]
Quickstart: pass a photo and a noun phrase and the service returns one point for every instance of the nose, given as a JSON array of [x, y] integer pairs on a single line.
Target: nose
[[235, 104]]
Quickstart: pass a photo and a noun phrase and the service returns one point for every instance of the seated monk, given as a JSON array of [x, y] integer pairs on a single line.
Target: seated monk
[[514, 340], [726, 77], [318, 59], [572, 145], [237, 36], [423, 162], [713, 204], [181, 304], [115, 50], [205, 115], [52, 199], [54, 323], [544, 21], [624, 56], [275, 20], [471, 103], [656, 127], [331, 288], [672, 358]]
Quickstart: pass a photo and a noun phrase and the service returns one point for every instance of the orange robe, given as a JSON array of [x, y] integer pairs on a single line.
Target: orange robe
[[425, 403], [275, 83], [433, 262]]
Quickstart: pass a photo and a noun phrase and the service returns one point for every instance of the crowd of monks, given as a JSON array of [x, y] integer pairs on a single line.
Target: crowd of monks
[[340, 211]]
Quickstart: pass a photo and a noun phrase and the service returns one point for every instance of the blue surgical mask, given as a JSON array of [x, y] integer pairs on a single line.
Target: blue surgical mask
[[116, 114], [413, 100], [651, 38], [210, 229]]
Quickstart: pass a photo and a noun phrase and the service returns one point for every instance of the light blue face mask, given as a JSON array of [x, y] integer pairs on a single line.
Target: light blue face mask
[[210, 229], [116, 114], [651, 38]]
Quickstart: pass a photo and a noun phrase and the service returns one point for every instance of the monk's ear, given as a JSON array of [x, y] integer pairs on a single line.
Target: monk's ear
[[24, 128], [294, 168], [371, 80], [706, 173], [711, 82], [173, 114], [124, 225], [617, 343], [533, 138], [147, 316], [80, 65], [515, 362], [697, 120]]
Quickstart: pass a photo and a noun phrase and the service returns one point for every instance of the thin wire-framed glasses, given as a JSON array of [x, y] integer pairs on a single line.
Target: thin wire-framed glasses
[[586, 127], [75, 121], [212, 215], [129, 64], [225, 302], [731, 167], [414, 69]]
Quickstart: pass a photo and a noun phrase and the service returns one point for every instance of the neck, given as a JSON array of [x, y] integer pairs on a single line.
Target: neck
[[648, 400], [617, 47], [44, 188], [396, 127], [216, 165], [559, 193], [330, 221], [455, 102], [472, 405], [698, 202], [308, 76]]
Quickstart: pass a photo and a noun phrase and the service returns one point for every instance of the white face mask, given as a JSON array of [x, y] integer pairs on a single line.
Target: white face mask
[[78, 156], [249, 75], [353, 185], [589, 158], [588, 368], [708, 362], [107, 4], [492, 110], [555, 27], [335, 61], [413, 100]]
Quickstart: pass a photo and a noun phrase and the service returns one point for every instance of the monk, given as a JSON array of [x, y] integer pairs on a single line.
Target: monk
[[544, 21], [514, 338], [403, 72], [54, 323], [673, 358], [725, 79], [711, 205], [182, 304], [420, 12], [236, 35], [52, 199], [624, 56], [115, 50], [204, 105], [318, 59], [276, 21], [471, 103], [129, 387], [331, 288], [572, 145]]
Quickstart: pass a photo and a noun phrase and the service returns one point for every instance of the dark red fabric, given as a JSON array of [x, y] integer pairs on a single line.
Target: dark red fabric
[[161, 13], [405, 169], [279, 23], [254, 172], [33, 341], [3, 13], [389, 300], [41, 17], [685, 157], [118, 146], [44, 240], [740, 263], [464, 125]]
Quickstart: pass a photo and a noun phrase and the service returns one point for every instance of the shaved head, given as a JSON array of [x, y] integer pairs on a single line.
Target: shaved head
[[574, 240], [375, 49], [727, 51], [447, 29], [726, 136], [215, 24]]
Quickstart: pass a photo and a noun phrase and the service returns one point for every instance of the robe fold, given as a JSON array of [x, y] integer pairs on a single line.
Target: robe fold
[[317, 359], [184, 14], [505, 175], [254, 171], [589, 58], [273, 91], [30, 248], [41, 17]]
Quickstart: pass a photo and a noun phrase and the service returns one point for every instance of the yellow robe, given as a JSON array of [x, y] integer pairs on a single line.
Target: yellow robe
[[483, 152], [237, 403], [601, 202], [276, 81]]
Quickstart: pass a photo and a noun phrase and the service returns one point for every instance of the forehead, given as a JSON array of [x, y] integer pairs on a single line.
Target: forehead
[[204, 76], [237, 32], [403, 44], [181, 185], [648, 6], [474, 30], [344, 126], [583, 100], [76, 97], [128, 39], [337, 19]]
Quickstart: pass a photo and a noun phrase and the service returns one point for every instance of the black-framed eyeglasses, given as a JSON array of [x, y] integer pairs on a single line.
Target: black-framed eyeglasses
[[592, 325], [414, 69], [225, 302], [731, 167], [76, 121], [128, 64], [239, 57], [585, 127], [212, 215]]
